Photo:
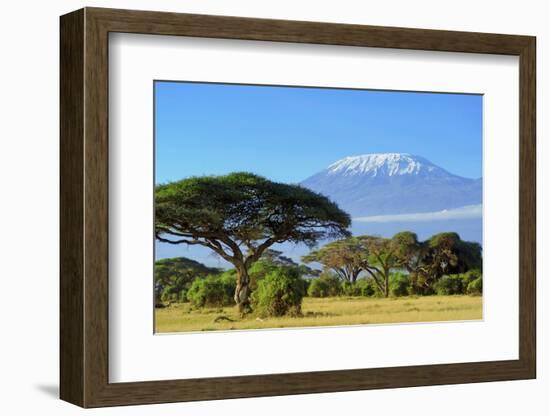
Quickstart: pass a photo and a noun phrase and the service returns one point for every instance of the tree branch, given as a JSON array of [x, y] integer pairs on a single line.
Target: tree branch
[[211, 244], [375, 277], [259, 251]]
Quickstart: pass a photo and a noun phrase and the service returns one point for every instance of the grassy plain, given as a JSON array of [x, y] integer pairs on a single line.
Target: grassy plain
[[335, 311]]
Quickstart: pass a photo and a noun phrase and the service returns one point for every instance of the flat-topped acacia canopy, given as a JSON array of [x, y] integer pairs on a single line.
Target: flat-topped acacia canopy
[[240, 215]]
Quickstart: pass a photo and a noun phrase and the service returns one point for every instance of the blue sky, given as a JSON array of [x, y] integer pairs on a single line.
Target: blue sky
[[288, 134]]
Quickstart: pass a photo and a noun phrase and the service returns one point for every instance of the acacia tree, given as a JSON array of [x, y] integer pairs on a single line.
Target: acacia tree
[[448, 254], [347, 258], [240, 215], [411, 255], [350, 257], [382, 258], [428, 261]]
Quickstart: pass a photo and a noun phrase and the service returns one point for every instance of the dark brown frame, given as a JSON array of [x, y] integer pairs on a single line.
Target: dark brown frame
[[84, 209]]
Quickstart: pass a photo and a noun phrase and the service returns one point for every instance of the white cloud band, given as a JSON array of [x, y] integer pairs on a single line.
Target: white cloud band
[[467, 212]]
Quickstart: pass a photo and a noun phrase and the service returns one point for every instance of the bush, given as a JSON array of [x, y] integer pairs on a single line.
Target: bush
[[212, 291], [306, 283], [279, 293], [470, 276], [258, 271], [460, 284], [419, 285], [450, 285], [170, 294], [399, 284], [324, 286], [263, 267], [229, 283], [362, 287], [475, 287], [182, 296]]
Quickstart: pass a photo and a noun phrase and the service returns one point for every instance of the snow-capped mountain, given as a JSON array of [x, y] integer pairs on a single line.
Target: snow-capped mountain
[[389, 164], [393, 183]]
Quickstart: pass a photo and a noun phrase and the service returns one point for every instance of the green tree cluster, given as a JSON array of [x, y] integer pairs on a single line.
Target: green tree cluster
[[174, 277], [402, 264]]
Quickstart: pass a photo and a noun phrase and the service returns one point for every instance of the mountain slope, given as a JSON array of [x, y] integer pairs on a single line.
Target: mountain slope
[[393, 183]]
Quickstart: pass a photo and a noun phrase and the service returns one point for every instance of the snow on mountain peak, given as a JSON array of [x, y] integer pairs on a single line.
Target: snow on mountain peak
[[389, 164]]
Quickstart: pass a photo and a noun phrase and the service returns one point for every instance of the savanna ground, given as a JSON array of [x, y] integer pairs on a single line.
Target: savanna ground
[[334, 311]]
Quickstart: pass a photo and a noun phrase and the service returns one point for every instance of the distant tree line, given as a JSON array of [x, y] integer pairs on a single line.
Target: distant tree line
[[366, 266], [377, 258]]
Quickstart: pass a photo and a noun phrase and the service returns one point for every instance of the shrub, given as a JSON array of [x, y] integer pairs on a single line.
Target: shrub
[[182, 296], [475, 287], [450, 285], [367, 287], [324, 286], [459, 284], [362, 287], [170, 294], [229, 283], [306, 283], [351, 289], [263, 267], [470, 276], [419, 285], [279, 293], [258, 271], [399, 284], [212, 291]]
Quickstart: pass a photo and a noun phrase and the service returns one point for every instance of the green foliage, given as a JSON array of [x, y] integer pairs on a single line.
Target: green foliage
[[328, 285], [399, 284], [259, 270], [324, 286], [345, 258], [228, 280], [362, 287], [349, 257], [279, 293], [182, 296], [420, 285], [442, 254], [169, 294], [470, 276], [450, 285], [273, 261], [239, 206], [174, 276], [460, 284], [448, 254], [475, 287], [164, 267], [406, 243], [212, 291]]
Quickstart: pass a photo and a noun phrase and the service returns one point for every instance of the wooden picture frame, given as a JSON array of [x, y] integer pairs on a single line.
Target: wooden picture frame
[[84, 207]]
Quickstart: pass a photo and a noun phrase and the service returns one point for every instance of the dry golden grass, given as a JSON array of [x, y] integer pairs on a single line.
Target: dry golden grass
[[325, 312]]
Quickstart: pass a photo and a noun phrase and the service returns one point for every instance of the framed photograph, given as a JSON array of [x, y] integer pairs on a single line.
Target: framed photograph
[[255, 207]]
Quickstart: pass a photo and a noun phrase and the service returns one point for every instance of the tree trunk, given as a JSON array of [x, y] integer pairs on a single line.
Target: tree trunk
[[386, 283], [242, 291]]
